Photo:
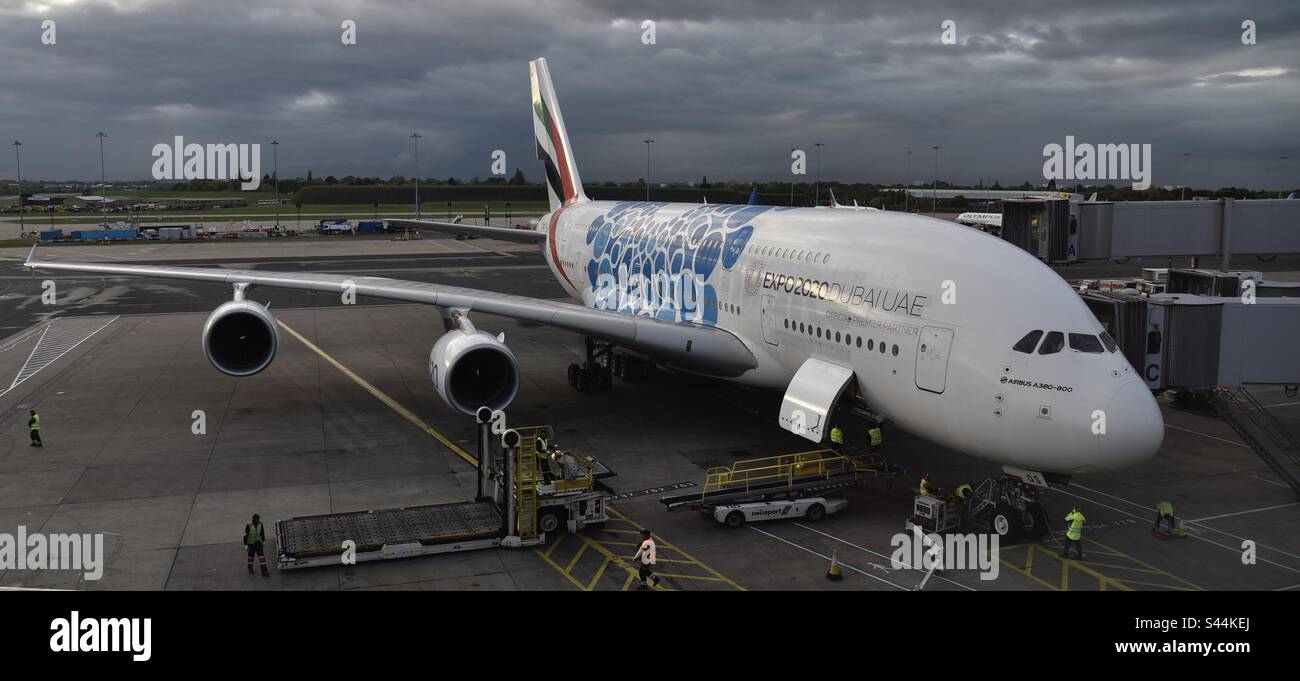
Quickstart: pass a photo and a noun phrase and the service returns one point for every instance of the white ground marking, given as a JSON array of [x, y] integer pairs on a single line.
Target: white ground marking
[[1151, 517], [874, 553], [1253, 510], [1212, 437], [846, 566], [58, 338]]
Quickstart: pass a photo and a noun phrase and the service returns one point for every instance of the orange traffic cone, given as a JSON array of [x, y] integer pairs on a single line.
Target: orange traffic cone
[[833, 574]]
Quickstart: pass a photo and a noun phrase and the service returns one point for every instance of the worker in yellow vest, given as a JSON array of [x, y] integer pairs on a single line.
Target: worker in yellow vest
[[1164, 513], [876, 437], [925, 485], [837, 436], [1074, 534], [34, 425], [254, 537]]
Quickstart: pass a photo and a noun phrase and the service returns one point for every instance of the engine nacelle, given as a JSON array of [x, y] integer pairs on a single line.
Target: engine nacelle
[[472, 369], [240, 338]]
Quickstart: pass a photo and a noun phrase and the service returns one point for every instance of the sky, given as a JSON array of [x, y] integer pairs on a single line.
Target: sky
[[725, 92]]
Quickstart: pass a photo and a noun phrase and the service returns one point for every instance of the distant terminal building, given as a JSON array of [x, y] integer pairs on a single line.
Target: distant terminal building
[[981, 194], [46, 200]]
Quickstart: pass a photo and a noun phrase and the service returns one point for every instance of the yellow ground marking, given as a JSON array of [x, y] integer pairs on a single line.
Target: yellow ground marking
[[379, 395], [1105, 582], [558, 568], [600, 572], [576, 557], [610, 557], [666, 544]]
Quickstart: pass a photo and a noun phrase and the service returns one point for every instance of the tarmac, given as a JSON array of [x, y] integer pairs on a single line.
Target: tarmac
[[118, 376]]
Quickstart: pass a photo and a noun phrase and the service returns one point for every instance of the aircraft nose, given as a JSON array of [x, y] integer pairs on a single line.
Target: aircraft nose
[[1134, 428]]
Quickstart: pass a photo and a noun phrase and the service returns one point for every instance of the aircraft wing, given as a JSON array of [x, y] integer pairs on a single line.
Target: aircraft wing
[[705, 349], [528, 236]]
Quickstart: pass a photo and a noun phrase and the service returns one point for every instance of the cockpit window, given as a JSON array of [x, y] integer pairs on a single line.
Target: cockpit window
[[1052, 344], [1028, 343], [1083, 342], [1109, 342]]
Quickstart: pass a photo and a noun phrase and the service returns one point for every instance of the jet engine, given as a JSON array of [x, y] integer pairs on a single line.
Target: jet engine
[[473, 369], [240, 337]]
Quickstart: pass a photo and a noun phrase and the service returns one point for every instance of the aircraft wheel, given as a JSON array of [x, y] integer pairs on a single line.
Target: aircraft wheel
[[1007, 522], [1036, 515], [574, 369]]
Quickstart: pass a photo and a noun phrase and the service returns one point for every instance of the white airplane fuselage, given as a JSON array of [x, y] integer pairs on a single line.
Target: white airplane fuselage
[[924, 312]]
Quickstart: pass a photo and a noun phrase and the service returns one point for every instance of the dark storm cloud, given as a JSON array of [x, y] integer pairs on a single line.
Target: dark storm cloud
[[726, 91]]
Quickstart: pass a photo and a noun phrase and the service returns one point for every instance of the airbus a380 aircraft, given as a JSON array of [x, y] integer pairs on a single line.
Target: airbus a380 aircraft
[[954, 335]]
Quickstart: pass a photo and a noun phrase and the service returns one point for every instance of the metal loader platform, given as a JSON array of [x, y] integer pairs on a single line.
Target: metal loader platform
[[776, 477], [388, 533]]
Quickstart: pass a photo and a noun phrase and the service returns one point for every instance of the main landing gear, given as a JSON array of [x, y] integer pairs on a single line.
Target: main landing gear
[[603, 364]]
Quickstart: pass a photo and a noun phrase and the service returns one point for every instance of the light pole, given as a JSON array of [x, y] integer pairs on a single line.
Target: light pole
[[275, 175], [18, 157], [416, 137], [934, 197], [817, 193], [648, 142], [103, 198], [1182, 189], [907, 183]]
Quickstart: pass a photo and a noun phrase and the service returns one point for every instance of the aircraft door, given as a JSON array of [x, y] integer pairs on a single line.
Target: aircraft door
[[932, 358], [769, 319]]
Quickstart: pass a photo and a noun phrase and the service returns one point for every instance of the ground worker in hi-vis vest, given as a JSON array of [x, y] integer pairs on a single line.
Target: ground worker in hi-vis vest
[[876, 438], [34, 424], [254, 536], [837, 436], [1074, 533], [1164, 513]]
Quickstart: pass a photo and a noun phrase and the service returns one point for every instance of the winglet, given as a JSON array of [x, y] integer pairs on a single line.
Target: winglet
[[834, 203], [31, 254]]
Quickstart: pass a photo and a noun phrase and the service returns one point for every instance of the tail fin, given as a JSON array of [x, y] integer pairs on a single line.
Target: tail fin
[[562, 182], [753, 197], [831, 193]]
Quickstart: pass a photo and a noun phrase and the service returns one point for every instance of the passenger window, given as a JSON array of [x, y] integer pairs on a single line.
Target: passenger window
[[858, 341], [871, 344], [1083, 342], [1106, 340], [1052, 344], [1028, 343], [894, 350]]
